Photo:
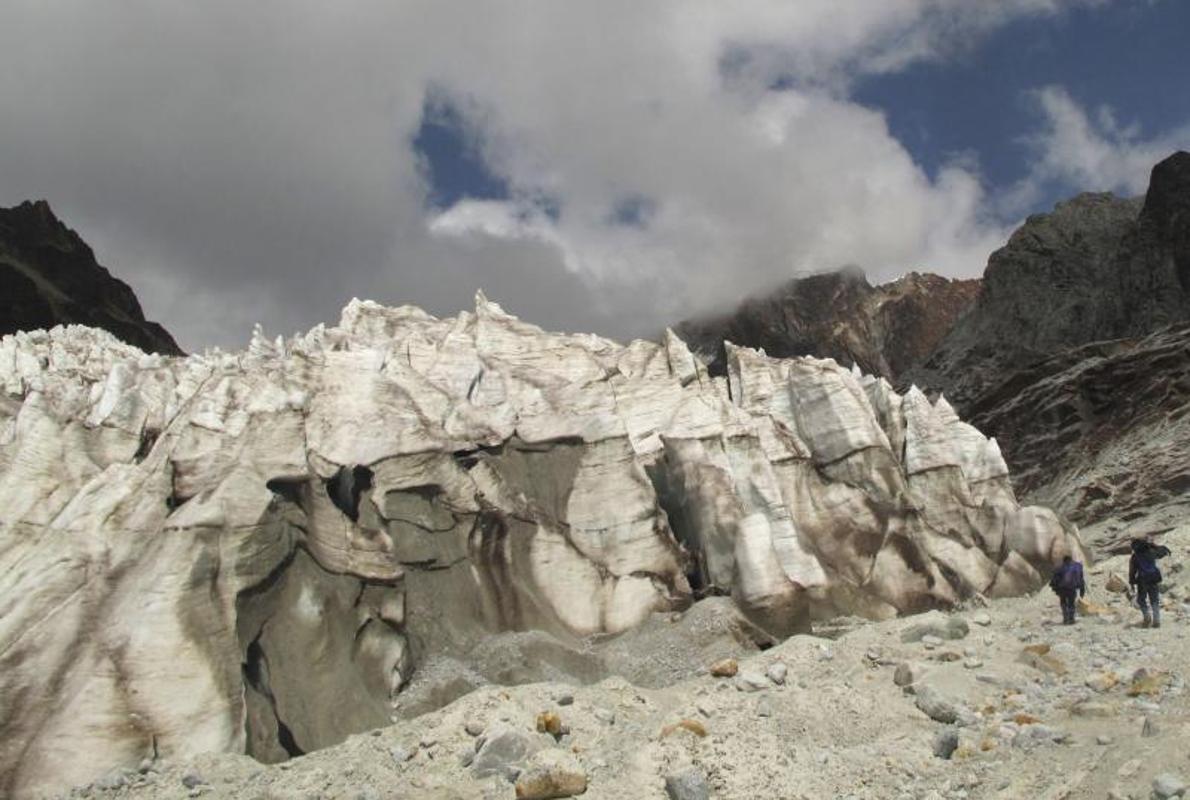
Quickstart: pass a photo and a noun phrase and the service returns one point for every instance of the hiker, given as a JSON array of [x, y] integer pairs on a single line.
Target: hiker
[[1067, 582], [1144, 574]]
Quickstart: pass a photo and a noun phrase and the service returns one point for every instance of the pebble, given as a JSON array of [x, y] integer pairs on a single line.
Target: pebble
[[946, 742], [688, 784], [981, 618], [1168, 785], [606, 716], [938, 708], [192, 779], [907, 673], [401, 754], [566, 699], [1150, 727], [1103, 739], [725, 668], [474, 727], [751, 682], [777, 673], [551, 774]]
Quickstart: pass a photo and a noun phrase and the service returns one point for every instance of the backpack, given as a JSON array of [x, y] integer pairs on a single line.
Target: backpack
[[1147, 571], [1066, 578]]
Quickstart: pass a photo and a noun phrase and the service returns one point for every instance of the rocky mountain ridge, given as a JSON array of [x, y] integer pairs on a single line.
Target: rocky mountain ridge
[[1066, 350], [49, 276], [884, 330]]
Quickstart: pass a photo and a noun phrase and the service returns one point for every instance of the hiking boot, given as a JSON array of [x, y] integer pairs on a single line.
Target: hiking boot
[[1156, 623]]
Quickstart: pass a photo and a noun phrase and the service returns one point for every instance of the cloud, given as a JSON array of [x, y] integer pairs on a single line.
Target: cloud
[[1077, 149], [256, 161]]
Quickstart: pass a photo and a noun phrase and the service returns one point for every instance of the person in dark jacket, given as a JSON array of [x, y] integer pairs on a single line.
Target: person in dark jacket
[[1067, 581], [1145, 575]]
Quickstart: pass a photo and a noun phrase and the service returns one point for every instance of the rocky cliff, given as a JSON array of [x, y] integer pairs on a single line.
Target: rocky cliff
[[254, 552], [1097, 268], [49, 276], [1101, 432], [1074, 356], [884, 330]]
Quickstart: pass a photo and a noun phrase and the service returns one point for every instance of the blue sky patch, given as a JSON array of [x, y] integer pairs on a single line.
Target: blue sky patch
[[1131, 56], [451, 154]]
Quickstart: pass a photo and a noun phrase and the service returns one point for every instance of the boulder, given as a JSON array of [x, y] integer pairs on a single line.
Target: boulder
[[504, 752], [551, 774], [935, 624]]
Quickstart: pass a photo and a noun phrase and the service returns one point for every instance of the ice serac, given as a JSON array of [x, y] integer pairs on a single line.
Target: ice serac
[[253, 552]]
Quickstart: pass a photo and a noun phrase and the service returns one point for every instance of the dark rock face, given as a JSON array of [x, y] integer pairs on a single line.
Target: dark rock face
[[1099, 431], [883, 329], [1076, 356], [1097, 268], [49, 276]]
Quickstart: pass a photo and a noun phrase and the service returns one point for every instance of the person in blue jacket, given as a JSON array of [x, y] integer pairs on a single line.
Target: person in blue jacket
[[1067, 582], [1145, 576]]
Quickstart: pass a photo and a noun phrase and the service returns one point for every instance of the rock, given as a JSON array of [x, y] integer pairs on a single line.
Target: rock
[[1150, 727], [688, 784], [114, 780], [402, 754], [973, 663], [981, 618], [934, 705], [1091, 608], [551, 774], [1115, 584], [1038, 657], [1091, 708], [1168, 785], [1103, 739], [504, 752], [751, 681], [566, 699], [777, 673], [727, 668], [192, 779], [907, 673], [946, 741], [1147, 684], [605, 716], [49, 276], [934, 627], [1103, 681], [473, 727], [1039, 734], [931, 641], [692, 725], [884, 329], [551, 723]]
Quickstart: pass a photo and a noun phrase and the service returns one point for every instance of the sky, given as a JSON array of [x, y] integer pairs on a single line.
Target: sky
[[593, 166]]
